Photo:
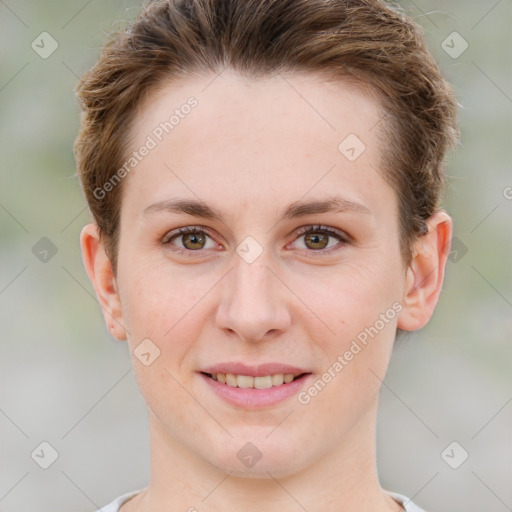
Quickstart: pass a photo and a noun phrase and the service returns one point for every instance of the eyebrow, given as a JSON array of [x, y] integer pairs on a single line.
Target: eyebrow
[[294, 210]]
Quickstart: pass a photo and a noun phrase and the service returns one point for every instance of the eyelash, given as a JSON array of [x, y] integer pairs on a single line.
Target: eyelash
[[343, 239]]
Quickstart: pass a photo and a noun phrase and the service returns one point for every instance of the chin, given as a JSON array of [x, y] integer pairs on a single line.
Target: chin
[[259, 456]]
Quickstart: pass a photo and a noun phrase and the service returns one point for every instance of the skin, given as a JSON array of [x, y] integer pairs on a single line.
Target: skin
[[250, 148]]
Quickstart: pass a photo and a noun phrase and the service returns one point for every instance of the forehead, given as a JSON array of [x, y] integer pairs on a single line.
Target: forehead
[[273, 138], [232, 102]]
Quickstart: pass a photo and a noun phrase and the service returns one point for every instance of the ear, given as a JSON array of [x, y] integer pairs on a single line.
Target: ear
[[425, 273], [99, 270]]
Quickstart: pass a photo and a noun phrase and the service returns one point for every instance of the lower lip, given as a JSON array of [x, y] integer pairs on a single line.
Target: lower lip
[[251, 398]]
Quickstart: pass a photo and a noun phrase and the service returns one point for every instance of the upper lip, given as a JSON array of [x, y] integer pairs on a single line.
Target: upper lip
[[259, 370]]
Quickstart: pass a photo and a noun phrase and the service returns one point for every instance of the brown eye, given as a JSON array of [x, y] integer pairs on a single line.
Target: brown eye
[[193, 241], [188, 239], [317, 240]]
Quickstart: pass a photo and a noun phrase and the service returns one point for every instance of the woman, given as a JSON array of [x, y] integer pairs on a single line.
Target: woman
[[265, 178]]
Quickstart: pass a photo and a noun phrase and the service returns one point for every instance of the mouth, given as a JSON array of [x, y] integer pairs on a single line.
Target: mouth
[[250, 386], [250, 382]]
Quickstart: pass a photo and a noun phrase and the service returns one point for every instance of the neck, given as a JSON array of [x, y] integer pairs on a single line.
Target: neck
[[343, 479]]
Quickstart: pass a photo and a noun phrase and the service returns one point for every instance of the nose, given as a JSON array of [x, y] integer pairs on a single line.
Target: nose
[[254, 302]]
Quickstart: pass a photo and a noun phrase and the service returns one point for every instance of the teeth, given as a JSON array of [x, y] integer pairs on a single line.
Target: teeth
[[231, 380], [246, 381], [263, 382], [277, 379]]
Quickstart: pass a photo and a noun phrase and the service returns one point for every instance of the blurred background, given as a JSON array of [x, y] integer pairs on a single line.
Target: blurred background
[[445, 425]]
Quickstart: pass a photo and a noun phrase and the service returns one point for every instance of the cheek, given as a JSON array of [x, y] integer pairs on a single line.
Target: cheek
[[160, 301], [355, 362], [349, 298], [162, 315], [359, 306]]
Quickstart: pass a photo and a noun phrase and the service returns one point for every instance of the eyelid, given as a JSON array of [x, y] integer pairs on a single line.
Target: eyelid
[[178, 232], [343, 237], [175, 233], [321, 228]]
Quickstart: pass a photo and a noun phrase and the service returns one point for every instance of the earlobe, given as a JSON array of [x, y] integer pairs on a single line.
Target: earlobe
[[425, 275], [100, 272]]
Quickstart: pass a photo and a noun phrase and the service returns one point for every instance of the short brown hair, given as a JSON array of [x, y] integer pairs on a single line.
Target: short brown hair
[[366, 41]]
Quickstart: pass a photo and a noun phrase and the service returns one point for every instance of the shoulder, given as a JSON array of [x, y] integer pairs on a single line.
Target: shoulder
[[116, 504], [408, 505]]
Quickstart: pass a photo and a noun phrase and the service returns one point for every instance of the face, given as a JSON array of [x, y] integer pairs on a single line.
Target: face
[[290, 264]]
